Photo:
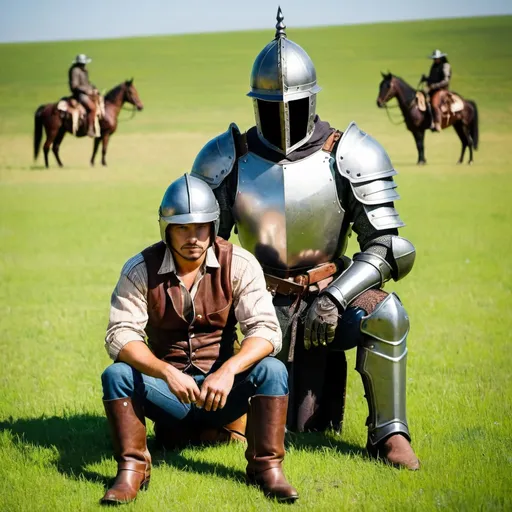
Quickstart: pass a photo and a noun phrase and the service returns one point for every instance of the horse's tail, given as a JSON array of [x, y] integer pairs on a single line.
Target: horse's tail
[[474, 124], [38, 130]]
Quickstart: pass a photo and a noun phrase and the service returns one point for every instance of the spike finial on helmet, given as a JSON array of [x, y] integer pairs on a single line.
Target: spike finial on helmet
[[280, 26]]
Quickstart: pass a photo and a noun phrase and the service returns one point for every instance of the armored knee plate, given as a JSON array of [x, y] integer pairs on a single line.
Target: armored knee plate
[[381, 361]]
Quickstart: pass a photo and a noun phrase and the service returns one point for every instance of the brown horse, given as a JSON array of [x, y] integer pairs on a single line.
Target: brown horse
[[56, 123], [465, 122]]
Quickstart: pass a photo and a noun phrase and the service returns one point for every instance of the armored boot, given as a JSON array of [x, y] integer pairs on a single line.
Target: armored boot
[[381, 361], [266, 421], [128, 432]]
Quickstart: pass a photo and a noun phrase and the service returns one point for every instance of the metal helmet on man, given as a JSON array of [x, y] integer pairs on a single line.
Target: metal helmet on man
[[81, 58], [188, 200], [283, 88]]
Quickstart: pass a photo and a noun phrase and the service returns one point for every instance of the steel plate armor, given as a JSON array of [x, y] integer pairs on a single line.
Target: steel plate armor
[[288, 214]]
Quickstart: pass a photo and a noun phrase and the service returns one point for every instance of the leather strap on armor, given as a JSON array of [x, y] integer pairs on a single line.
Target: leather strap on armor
[[300, 283], [331, 141]]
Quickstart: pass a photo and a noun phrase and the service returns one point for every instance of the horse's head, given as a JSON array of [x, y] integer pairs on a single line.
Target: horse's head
[[131, 95], [387, 89]]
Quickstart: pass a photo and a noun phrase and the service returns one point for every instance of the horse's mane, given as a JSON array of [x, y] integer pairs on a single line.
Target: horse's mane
[[402, 81], [110, 95]]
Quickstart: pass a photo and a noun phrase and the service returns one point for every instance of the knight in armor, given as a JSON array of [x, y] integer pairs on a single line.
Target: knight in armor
[[293, 188], [82, 89], [437, 80]]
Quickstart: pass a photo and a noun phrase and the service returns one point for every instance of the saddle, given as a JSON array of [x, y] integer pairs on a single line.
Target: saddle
[[421, 101], [78, 112], [452, 103]]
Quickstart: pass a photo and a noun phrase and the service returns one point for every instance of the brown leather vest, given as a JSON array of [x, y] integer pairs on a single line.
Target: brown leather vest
[[208, 335]]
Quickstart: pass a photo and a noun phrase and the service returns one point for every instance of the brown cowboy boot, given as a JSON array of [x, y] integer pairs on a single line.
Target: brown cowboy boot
[[395, 450], [128, 431], [266, 421], [436, 116], [91, 120]]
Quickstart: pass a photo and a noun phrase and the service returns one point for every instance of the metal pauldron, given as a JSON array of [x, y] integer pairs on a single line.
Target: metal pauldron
[[381, 361], [363, 161], [217, 158], [367, 271]]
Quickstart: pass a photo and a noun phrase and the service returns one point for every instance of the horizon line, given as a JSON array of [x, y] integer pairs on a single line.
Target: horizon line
[[259, 29]]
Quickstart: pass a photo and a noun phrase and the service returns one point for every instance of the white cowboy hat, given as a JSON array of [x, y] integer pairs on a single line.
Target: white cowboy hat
[[437, 54], [81, 58]]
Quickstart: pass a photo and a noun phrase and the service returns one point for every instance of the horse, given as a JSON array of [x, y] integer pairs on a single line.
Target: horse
[[57, 123], [465, 121]]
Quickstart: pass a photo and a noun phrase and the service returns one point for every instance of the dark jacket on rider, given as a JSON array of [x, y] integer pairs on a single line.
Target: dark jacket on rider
[[79, 80], [439, 76]]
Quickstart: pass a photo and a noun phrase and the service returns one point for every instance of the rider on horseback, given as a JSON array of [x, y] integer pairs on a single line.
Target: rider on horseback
[[437, 80], [83, 91]]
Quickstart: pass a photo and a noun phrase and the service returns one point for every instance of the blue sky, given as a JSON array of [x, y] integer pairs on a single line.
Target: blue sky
[[47, 20]]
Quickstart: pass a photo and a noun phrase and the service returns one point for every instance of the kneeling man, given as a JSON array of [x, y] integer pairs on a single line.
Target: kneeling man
[[185, 295]]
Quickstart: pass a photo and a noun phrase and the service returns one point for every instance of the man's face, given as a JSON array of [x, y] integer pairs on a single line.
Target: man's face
[[437, 61], [190, 241]]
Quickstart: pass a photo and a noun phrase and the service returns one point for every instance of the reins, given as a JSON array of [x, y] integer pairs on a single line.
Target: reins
[[133, 108], [133, 111], [387, 107]]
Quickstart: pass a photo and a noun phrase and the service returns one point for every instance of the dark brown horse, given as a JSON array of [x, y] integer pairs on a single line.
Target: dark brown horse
[[465, 122], [56, 123]]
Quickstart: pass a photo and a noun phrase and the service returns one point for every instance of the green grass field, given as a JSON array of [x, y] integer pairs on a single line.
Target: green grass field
[[65, 234]]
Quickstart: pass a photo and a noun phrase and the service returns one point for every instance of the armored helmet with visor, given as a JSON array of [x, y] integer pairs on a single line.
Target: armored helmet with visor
[[284, 88]]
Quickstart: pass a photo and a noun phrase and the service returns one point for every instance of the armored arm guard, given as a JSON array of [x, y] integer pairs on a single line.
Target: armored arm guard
[[365, 164], [214, 165]]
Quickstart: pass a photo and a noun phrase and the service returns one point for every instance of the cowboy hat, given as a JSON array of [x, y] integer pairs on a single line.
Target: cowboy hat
[[437, 54], [81, 58]]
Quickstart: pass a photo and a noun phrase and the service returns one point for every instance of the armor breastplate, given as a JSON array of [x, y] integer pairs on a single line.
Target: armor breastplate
[[288, 215]]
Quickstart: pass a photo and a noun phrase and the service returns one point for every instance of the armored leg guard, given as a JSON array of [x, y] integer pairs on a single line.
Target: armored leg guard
[[381, 361]]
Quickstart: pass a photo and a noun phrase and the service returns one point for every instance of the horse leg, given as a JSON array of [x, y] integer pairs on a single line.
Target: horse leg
[[419, 138], [470, 142], [51, 133], [46, 148], [56, 144], [463, 139], [97, 141], [104, 147]]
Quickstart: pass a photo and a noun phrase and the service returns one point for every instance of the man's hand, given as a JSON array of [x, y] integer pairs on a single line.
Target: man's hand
[[321, 322], [423, 79], [182, 385], [215, 389]]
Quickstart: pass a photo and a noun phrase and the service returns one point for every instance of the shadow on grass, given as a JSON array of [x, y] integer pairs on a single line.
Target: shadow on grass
[[319, 441], [83, 439]]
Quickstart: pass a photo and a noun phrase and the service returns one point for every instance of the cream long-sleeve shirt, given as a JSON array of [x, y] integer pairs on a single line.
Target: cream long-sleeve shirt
[[252, 302]]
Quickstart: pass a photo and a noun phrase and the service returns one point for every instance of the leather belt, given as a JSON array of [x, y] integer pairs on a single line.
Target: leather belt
[[299, 284]]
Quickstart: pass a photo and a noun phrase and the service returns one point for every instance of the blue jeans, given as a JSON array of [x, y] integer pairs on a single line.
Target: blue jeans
[[267, 377]]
